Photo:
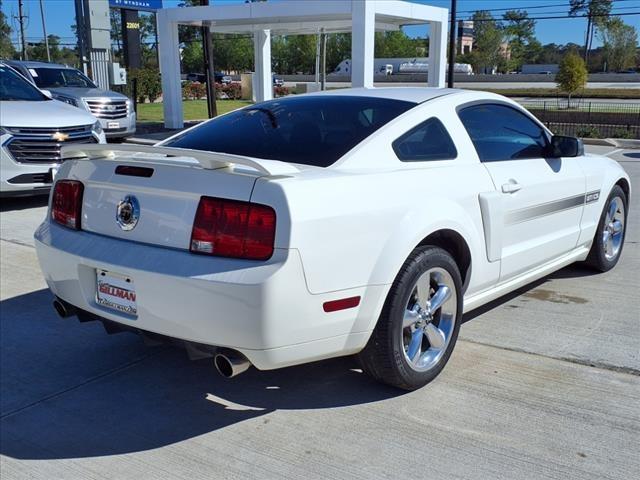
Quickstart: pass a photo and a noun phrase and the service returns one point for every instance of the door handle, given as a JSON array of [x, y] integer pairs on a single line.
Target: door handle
[[511, 187]]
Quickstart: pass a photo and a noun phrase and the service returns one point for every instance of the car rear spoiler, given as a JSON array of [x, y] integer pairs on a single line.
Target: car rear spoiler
[[207, 160]]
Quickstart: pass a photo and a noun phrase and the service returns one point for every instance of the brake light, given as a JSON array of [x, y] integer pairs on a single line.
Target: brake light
[[66, 205], [231, 228]]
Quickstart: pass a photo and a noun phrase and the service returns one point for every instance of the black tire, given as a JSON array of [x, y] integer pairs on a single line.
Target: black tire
[[597, 258], [384, 358]]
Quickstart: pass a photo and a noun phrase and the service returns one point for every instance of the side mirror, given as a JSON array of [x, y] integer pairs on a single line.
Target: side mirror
[[47, 93], [562, 146]]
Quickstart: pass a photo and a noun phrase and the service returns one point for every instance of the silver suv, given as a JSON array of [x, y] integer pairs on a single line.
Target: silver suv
[[113, 110]]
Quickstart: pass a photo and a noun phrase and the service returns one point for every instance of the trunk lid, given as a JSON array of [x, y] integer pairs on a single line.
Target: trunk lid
[[166, 201]]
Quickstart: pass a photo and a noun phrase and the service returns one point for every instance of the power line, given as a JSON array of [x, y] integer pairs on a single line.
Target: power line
[[552, 18], [529, 8]]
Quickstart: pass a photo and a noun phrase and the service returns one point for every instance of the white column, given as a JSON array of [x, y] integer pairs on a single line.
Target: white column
[[363, 19], [262, 82], [170, 71], [437, 53]]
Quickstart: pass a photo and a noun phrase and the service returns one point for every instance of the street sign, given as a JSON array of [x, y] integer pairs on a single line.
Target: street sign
[[149, 5]]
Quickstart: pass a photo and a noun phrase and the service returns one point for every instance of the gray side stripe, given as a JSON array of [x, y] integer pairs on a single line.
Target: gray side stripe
[[529, 213]]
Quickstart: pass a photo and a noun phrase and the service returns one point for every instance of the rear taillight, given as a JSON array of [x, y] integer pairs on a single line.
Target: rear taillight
[[230, 228], [66, 205]]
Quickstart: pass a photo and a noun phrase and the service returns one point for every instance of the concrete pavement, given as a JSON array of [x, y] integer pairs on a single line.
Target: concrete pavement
[[519, 398]]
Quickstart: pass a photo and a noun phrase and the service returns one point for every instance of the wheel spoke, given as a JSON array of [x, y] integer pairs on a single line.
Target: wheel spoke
[[435, 336], [442, 295], [410, 318], [613, 208], [415, 346], [605, 237], [609, 245], [423, 288]]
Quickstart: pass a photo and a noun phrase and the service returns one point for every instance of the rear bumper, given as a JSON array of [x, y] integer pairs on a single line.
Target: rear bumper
[[261, 309]]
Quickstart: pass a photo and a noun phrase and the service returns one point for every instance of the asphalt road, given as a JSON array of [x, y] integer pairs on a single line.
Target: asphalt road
[[543, 384]]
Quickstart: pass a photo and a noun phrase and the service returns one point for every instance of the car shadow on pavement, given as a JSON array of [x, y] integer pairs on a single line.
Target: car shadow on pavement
[[71, 391], [575, 270], [632, 154], [23, 203]]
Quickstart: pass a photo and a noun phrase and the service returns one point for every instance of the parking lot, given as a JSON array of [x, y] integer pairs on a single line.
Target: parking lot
[[544, 383]]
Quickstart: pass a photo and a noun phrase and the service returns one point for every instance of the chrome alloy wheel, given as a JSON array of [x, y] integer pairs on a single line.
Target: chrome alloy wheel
[[429, 319], [613, 229]]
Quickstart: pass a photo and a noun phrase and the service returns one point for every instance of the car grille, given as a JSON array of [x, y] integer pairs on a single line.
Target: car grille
[[107, 109], [37, 145]]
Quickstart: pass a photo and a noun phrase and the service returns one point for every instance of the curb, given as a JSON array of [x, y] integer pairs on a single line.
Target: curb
[[613, 142], [605, 142]]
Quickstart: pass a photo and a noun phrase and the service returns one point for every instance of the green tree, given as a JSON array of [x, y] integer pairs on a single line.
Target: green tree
[[619, 44], [394, 44], [596, 12], [487, 41], [572, 75], [6, 47], [192, 59], [519, 31], [232, 52], [338, 49]]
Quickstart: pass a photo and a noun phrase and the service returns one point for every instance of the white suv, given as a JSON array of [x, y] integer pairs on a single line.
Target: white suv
[[33, 128]]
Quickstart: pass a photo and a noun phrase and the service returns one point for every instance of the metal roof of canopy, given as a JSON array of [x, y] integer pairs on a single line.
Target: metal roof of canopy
[[262, 19]]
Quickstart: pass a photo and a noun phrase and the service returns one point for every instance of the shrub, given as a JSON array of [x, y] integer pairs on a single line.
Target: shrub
[[588, 131], [229, 91], [623, 133], [193, 90], [279, 91], [149, 85]]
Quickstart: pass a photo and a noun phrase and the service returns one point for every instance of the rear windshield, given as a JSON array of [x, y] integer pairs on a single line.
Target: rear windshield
[[60, 77], [310, 130]]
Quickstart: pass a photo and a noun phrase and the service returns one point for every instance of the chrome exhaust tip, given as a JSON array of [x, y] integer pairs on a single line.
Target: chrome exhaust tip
[[229, 365], [63, 309]]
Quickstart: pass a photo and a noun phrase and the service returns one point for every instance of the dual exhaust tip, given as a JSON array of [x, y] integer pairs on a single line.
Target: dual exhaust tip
[[228, 363]]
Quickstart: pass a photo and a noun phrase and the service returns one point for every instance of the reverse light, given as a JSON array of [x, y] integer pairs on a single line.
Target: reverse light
[[66, 204], [232, 228]]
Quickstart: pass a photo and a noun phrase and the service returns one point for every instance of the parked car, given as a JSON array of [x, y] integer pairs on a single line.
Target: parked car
[[277, 81], [114, 110], [356, 221], [202, 78], [33, 127]]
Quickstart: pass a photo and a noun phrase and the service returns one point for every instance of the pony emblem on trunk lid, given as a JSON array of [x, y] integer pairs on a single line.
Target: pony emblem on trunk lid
[[128, 213]]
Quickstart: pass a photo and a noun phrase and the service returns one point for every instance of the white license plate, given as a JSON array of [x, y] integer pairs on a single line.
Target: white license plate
[[116, 292], [113, 124]]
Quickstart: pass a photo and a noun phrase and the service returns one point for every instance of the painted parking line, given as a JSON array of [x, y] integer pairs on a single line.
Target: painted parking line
[[613, 152]]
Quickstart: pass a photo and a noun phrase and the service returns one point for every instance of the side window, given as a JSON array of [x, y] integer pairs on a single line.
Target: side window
[[500, 132], [428, 141]]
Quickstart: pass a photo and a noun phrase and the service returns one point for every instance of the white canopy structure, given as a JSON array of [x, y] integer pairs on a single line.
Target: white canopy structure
[[261, 19]]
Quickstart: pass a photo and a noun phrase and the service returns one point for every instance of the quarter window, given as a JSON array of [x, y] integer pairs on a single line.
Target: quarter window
[[428, 141], [499, 132]]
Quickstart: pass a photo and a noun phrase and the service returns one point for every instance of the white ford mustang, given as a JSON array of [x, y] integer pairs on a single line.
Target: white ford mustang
[[356, 221]]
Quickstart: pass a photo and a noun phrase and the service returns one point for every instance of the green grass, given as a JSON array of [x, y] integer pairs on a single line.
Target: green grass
[[193, 109]]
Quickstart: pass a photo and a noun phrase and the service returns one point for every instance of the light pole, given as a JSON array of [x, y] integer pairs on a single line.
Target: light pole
[[452, 43]]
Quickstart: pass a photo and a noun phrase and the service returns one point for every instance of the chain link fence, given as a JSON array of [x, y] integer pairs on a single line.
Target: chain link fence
[[588, 119]]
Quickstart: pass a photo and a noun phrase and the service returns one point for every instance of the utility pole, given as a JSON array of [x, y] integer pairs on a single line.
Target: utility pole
[[209, 69], [44, 32], [452, 43], [323, 80], [24, 55]]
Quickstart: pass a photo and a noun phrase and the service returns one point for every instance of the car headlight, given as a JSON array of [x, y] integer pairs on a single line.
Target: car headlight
[[67, 100], [97, 128]]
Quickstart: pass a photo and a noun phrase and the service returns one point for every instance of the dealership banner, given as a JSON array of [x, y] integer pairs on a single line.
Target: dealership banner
[[137, 4]]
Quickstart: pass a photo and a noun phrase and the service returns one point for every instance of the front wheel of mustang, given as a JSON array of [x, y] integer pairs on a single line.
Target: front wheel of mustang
[[419, 324]]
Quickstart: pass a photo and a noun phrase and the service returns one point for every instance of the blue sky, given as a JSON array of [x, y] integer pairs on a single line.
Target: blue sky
[[60, 16]]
